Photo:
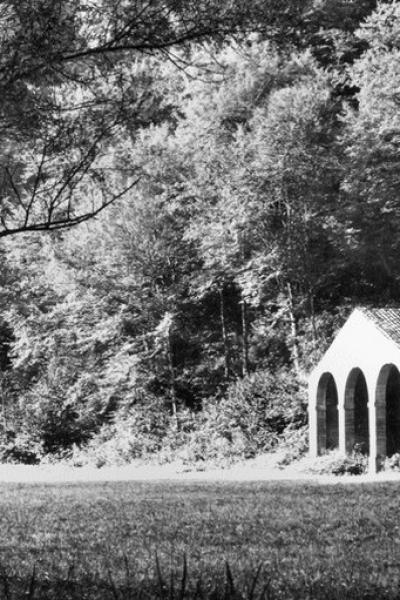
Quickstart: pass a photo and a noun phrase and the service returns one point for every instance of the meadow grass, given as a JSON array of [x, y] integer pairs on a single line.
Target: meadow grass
[[250, 540]]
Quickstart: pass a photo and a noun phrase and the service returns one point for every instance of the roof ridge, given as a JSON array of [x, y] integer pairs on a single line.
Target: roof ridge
[[378, 308]]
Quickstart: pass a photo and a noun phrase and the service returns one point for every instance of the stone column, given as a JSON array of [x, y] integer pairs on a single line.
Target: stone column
[[350, 381], [378, 433], [340, 385], [372, 414]]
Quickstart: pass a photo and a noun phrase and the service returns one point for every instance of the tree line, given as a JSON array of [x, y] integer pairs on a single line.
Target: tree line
[[247, 159]]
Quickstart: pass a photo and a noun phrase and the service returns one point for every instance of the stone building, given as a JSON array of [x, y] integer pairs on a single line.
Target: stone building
[[354, 391]]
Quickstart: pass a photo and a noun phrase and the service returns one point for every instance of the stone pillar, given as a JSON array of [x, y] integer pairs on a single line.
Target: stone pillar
[[378, 427], [341, 411], [349, 409], [372, 414]]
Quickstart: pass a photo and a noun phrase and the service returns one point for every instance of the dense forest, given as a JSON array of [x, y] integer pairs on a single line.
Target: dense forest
[[194, 196]]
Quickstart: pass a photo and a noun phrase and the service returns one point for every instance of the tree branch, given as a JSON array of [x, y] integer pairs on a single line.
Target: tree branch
[[66, 223]]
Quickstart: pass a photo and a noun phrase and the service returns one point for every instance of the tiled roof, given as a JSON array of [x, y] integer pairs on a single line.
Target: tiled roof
[[387, 320]]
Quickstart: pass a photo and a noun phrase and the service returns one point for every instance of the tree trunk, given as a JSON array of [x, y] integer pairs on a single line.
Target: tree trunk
[[293, 331], [312, 315], [3, 405], [245, 344], [223, 331], [172, 380]]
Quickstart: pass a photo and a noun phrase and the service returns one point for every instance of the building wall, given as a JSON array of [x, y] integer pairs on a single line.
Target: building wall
[[359, 346]]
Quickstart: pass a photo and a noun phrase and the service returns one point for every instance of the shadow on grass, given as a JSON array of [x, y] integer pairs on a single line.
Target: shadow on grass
[[259, 585]]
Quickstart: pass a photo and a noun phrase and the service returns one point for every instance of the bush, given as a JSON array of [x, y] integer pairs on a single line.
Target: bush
[[257, 413], [253, 417], [294, 445], [259, 407], [392, 463], [335, 463], [134, 432], [20, 449], [203, 446], [58, 422]]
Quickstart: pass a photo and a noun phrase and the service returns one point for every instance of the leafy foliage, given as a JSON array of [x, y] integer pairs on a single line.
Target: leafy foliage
[[256, 175]]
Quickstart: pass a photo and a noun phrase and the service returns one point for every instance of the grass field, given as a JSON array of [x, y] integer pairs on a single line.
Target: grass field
[[100, 540]]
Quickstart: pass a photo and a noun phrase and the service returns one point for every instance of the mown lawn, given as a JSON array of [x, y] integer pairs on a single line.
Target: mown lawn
[[100, 540]]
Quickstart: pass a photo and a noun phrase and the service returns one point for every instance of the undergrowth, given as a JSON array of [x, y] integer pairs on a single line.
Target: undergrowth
[[255, 415], [335, 463]]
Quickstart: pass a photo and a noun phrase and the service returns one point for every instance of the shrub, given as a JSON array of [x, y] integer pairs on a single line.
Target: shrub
[[20, 448], [206, 446], [58, 422], [134, 432], [294, 445], [261, 407], [256, 413], [254, 416], [392, 463], [336, 463]]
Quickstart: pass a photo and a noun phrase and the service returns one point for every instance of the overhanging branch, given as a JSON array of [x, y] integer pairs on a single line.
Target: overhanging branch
[[54, 224]]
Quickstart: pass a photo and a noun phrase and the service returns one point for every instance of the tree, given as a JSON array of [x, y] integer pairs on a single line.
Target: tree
[[73, 73], [247, 198], [265, 175], [371, 185]]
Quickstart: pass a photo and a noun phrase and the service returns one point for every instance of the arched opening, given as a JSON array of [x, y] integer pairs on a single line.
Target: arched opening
[[332, 416], [388, 411], [393, 412], [328, 416], [356, 412]]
